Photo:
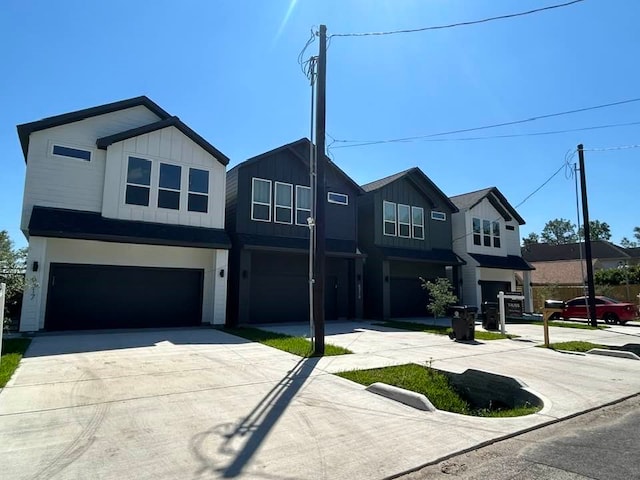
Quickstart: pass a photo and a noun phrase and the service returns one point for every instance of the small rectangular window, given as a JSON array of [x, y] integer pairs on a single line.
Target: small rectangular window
[[486, 233], [477, 240], [440, 216], [496, 234], [283, 203], [404, 221], [138, 181], [339, 198], [417, 222], [63, 151], [303, 205], [169, 186], [511, 228], [261, 200], [198, 200], [389, 218]]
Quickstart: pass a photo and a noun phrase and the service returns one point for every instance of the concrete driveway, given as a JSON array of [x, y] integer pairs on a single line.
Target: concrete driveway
[[199, 404]]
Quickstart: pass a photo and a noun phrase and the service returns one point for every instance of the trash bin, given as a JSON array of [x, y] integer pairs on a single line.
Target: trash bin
[[463, 322], [490, 315]]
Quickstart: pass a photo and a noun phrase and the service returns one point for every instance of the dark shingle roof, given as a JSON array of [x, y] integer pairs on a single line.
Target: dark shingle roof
[[510, 262], [469, 200], [334, 246], [545, 252], [369, 187], [435, 255], [633, 252]]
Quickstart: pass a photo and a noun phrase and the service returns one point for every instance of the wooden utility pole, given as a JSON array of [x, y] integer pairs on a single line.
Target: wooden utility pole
[[587, 240], [318, 286]]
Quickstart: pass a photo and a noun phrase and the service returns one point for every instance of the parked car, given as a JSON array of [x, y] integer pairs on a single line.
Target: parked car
[[607, 309]]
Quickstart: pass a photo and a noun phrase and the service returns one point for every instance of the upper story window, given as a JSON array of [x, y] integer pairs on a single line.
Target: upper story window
[[303, 204], [283, 203], [198, 200], [169, 186], [477, 240], [339, 198], [487, 233], [261, 200], [496, 234], [417, 222], [404, 221], [441, 216], [389, 217], [138, 181], [69, 152]]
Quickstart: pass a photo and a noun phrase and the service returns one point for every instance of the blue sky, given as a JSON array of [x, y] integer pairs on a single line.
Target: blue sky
[[228, 68]]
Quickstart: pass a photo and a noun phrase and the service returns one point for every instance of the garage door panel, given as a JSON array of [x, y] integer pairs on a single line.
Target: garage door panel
[[102, 296], [408, 298]]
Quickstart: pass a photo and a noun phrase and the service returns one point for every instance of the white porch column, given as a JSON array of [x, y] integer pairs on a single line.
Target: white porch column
[[221, 275], [33, 306]]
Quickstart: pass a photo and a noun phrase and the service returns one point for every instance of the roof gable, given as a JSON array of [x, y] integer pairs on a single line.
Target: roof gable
[[27, 129], [104, 142], [467, 201]]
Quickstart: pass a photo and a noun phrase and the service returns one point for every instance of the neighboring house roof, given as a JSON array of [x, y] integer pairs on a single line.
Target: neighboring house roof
[[104, 142], [62, 223], [633, 252], [334, 247], [417, 176], [467, 201], [436, 255], [545, 252], [510, 262], [300, 148], [27, 129], [561, 272]]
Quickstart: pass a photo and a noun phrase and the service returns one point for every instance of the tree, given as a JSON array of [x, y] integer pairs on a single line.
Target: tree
[[533, 237], [626, 243], [636, 233], [597, 230], [440, 295], [12, 267], [559, 231]]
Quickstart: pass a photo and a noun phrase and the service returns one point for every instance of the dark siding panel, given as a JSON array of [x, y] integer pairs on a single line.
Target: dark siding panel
[[231, 200]]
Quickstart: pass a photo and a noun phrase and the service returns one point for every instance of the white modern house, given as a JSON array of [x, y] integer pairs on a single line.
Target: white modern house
[[486, 235], [124, 213]]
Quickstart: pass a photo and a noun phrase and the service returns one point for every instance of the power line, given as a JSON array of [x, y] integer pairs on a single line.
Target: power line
[[362, 143], [606, 149], [459, 24]]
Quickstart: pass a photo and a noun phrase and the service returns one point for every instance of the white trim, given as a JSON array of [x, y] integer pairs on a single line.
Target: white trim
[[193, 192], [440, 216], [403, 223], [253, 202], [142, 185], [385, 221], [179, 190], [76, 147], [305, 224], [276, 206], [413, 225], [338, 202]]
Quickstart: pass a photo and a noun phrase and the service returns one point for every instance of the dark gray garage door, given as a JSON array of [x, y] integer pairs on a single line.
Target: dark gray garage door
[[408, 299], [103, 296]]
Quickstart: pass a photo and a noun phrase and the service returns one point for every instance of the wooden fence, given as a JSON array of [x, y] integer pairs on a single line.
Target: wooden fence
[[623, 293]]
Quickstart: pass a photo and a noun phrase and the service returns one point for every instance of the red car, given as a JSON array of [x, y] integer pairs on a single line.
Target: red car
[[607, 309]]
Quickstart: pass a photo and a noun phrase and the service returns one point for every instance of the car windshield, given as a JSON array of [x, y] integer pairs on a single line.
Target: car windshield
[[611, 300]]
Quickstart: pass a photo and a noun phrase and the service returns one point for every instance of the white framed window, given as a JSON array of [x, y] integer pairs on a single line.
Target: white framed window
[[417, 222], [496, 234], [70, 152], [138, 182], [440, 216], [283, 201], [389, 218], [339, 198], [261, 200], [303, 205], [486, 233], [169, 186], [404, 221], [198, 200], [477, 239]]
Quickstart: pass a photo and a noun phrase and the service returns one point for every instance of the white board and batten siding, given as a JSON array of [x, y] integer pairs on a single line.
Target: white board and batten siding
[[56, 181], [509, 240], [168, 145]]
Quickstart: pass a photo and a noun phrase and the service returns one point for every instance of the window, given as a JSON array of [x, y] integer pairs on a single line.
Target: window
[[440, 216], [69, 152], [198, 200], [404, 221], [510, 227], [283, 203], [169, 186], [389, 217], [486, 233], [303, 204], [496, 234], [339, 198], [261, 200], [138, 181], [476, 232], [417, 222]]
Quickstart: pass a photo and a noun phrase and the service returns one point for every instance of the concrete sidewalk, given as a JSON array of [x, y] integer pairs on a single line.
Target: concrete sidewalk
[[198, 403]]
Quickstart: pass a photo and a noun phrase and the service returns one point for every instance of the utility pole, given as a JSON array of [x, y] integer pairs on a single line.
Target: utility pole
[[587, 240], [320, 201]]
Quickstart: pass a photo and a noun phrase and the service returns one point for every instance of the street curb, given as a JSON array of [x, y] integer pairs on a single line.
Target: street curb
[[412, 399], [613, 353]]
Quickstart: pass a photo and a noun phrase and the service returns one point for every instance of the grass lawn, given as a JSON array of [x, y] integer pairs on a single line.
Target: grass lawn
[[577, 346], [554, 323], [440, 330], [297, 345], [12, 351], [431, 383]]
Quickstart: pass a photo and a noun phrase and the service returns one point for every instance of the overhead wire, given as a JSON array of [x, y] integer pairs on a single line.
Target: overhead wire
[[458, 24]]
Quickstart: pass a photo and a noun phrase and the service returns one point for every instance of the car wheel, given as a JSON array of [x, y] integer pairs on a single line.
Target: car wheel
[[610, 318]]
